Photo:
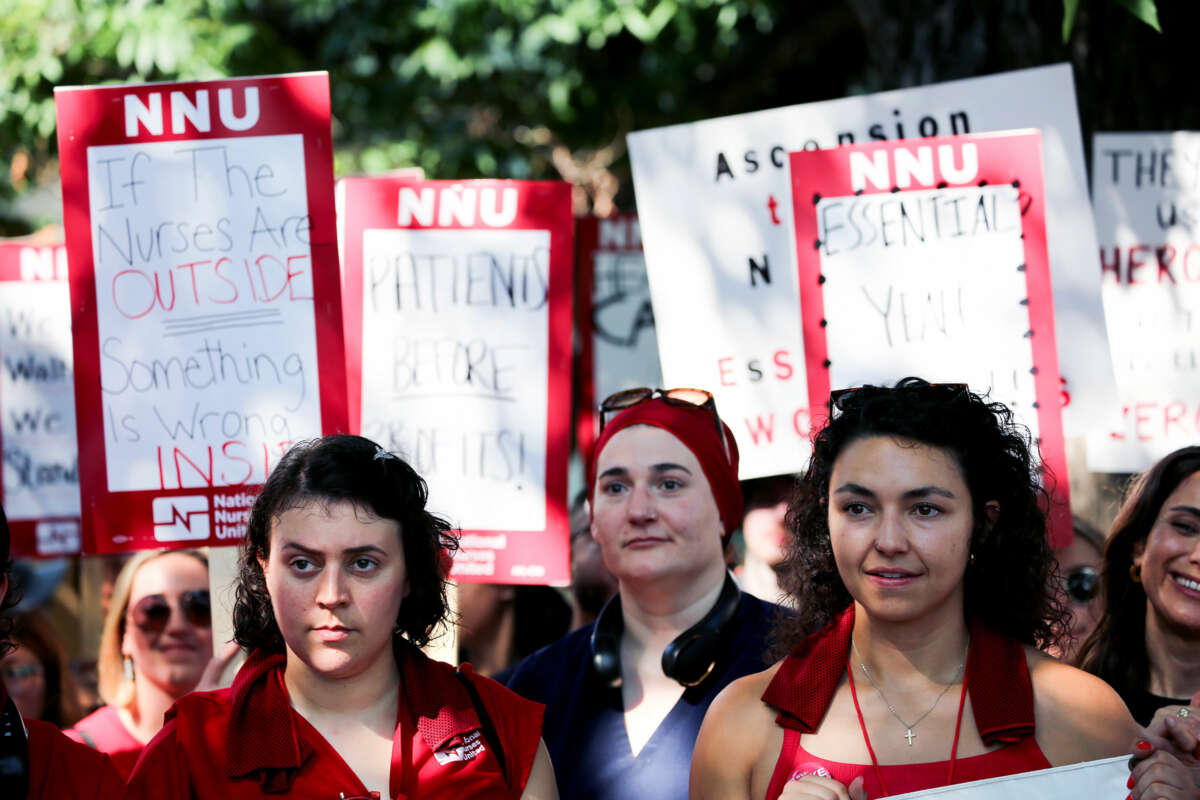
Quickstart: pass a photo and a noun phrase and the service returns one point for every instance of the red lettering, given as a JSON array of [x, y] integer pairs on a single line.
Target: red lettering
[[208, 478], [232, 285], [263, 277], [1141, 414], [722, 367], [1180, 409], [116, 295], [1164, 256], [1114, 267], [290, 275], [783, 360], [1193, 249], [761, 428], [804, 430], [1134, 264], [249, 467], [191, 268]]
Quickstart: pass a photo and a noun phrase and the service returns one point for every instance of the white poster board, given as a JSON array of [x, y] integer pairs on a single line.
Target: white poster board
[[37, 402], [1146, 191], [716, 209], [619, 349], [1092, 780]]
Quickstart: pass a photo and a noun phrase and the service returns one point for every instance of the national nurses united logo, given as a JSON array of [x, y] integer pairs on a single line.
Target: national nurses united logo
[[470, 746], [181, 519]]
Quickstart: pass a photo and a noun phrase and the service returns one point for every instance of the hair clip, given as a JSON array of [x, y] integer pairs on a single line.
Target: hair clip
[[383, 455]]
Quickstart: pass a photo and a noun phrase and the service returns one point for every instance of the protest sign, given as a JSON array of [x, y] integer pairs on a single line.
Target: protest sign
[[37, 402], [205, 299], [715, 204], [617, 347], [458, 334], [1086, 781], [1146, 191], [928, 258]]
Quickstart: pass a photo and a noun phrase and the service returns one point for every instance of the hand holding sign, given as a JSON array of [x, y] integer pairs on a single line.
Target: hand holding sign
[[1168, 747], [812, 787]]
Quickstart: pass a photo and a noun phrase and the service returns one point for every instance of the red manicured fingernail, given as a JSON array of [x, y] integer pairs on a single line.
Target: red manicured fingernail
[[1143, 746], [1129, 783]]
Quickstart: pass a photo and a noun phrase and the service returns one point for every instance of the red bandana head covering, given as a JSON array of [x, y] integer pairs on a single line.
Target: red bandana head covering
[[696, 428]]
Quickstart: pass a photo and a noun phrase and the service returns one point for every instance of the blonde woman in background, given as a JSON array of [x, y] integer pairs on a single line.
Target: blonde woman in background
[[155, 647]]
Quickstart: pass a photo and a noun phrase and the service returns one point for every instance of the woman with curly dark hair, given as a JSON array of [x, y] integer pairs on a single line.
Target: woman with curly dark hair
[[921, 573], [342, 579], [1147, 644]]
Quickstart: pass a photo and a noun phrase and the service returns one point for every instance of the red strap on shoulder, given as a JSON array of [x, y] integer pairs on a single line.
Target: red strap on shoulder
[[807, 679]]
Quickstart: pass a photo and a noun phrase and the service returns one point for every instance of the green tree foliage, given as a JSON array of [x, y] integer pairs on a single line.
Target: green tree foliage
[[548, 88]]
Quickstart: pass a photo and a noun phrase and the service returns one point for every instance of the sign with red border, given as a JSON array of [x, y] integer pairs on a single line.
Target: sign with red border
[[37, 402], [458, 337], [617, 346], [204, 295], [928, 258]]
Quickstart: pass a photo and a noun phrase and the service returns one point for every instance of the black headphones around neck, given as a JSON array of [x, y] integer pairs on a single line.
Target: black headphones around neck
[[690, 657], [14, 753]]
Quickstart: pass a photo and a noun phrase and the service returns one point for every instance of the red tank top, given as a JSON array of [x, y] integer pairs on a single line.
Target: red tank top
[[1001, 697]]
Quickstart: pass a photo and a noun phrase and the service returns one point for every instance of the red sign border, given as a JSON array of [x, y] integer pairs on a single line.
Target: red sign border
[[372, 203], [94, 116], [1009, 157]]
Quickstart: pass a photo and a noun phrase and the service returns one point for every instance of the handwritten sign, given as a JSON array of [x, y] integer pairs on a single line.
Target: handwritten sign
[[1146, 190], [618, 348], [928, 258], [715, 209], [1086, 781], [458, 309], [205, 298], [37, 402]]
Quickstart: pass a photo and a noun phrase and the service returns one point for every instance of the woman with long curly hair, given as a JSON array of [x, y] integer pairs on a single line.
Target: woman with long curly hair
[[1147, 644], [921, 575], [342, 578]]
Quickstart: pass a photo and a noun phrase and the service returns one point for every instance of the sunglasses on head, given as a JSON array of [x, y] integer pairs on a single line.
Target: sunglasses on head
[[152, 613], [949, 390], [684, 398], [1081, 584]]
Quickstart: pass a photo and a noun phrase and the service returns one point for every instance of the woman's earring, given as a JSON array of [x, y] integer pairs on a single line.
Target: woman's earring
[[971, 559], [1135, 572], [128, 668]]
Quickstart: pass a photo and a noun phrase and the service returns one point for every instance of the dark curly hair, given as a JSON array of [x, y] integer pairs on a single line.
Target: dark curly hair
[[351, 469], [1010, 585], [1116, 649]]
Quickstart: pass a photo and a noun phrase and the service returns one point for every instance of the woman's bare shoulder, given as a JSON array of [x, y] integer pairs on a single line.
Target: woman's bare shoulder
[[733, 739], [1079, 717]]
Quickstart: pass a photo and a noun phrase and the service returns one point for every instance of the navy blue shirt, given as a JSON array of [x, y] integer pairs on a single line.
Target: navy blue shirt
[[584, 724]]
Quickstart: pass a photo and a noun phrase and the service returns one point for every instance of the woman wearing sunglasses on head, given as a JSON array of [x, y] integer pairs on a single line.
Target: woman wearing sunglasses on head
[[1147, 644], [155, 647], [919, 555], [342, 578], [625, 695]]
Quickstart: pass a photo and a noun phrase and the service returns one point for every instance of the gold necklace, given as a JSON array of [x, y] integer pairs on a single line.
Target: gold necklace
[[908, 734]]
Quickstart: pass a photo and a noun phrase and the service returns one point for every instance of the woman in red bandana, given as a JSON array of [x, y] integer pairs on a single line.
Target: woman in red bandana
[[919, 556], [342, 578]]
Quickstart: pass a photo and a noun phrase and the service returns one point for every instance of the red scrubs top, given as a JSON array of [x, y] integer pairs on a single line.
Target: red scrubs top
[[59, 767], [104, 731], [247, 742]]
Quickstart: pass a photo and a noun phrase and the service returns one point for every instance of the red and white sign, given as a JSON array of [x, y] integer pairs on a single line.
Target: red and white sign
[[458, 339], [617, 348], [37, 402], [1146, 191], [928, 258], [204, 295]]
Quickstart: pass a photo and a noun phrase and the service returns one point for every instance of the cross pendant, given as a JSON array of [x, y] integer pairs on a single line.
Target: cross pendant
[[910, 736]]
